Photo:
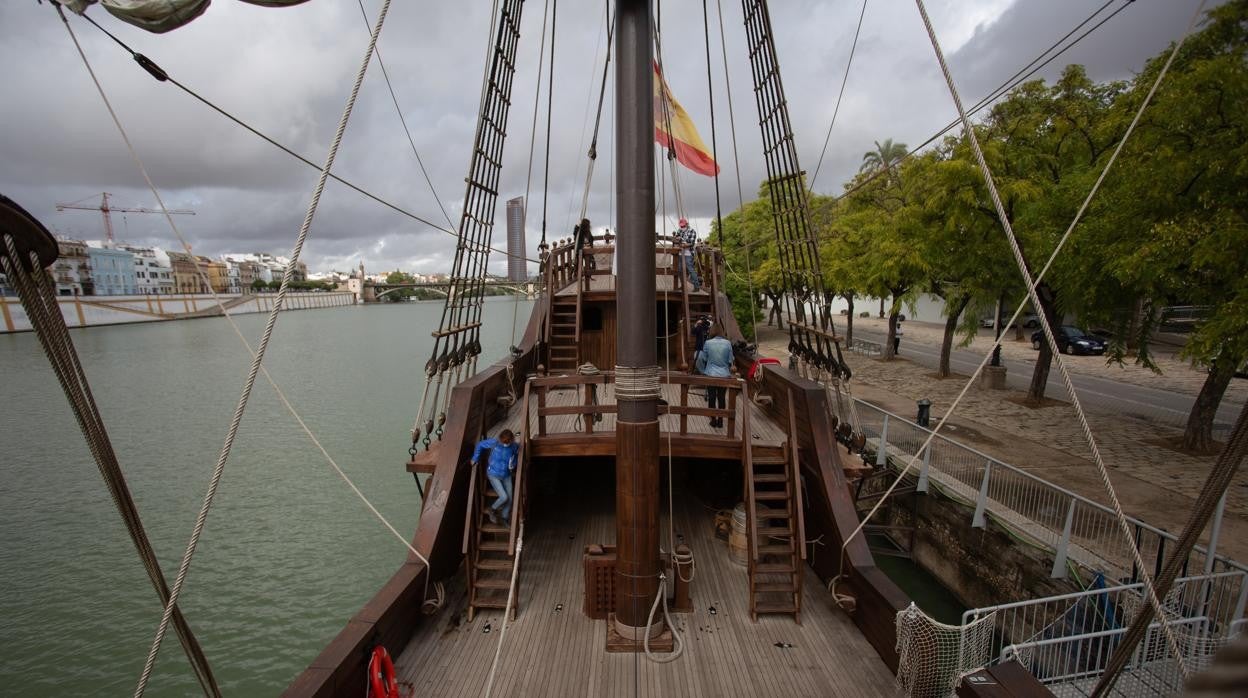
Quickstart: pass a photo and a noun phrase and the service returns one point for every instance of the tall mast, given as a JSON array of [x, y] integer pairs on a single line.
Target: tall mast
[[637, 373]]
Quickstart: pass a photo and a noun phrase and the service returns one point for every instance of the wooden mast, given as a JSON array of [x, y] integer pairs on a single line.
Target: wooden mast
[[637, 428]]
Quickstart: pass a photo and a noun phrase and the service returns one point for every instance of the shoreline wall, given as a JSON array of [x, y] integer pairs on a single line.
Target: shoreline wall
[[92, 311]]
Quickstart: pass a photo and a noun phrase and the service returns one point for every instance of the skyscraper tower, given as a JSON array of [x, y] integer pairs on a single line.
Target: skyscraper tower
[[517, 267]]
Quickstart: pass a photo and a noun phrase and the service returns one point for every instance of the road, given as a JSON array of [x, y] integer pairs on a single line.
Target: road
[[1161, 406]]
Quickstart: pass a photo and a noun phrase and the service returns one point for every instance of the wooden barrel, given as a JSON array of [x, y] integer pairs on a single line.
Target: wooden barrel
[[738, 548]]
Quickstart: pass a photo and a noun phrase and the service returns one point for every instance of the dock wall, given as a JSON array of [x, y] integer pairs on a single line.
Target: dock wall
[[90, 311]]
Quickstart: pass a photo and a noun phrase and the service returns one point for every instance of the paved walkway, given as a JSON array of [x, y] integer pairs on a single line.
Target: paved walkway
[[1155, 483]]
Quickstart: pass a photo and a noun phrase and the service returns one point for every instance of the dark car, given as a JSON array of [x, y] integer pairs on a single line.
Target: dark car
[[1072, 340]]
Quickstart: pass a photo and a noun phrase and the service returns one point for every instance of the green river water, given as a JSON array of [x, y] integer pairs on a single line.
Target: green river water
[[289, 553]]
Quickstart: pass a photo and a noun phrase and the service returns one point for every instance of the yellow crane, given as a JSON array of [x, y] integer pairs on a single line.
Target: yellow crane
[[104, 208]]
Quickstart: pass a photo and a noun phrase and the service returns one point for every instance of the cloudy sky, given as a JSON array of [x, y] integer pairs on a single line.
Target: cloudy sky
[[288, 73]]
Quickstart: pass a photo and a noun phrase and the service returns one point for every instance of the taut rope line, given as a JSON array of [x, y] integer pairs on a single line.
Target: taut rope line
[[242, 338], [219, 470]]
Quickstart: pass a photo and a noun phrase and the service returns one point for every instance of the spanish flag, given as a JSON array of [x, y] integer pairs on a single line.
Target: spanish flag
[[683, 138]]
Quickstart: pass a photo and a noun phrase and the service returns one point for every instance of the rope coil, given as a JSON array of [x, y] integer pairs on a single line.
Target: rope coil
[[634, 384]]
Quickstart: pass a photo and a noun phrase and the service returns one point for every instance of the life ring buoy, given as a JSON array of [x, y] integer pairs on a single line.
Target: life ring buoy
[[381, 681]]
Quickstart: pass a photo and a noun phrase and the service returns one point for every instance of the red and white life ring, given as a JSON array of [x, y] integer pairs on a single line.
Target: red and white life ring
[[381, 681]]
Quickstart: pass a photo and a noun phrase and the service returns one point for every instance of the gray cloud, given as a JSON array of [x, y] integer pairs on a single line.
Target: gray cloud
[[288, 71]]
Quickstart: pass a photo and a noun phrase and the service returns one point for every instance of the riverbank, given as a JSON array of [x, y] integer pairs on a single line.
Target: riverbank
[[1155, 484], [93, 311]]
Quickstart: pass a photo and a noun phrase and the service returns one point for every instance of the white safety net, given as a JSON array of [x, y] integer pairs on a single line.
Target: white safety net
[[933, 656]]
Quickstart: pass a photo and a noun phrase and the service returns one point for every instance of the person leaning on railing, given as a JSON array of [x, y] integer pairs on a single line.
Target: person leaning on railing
[[716, 361]]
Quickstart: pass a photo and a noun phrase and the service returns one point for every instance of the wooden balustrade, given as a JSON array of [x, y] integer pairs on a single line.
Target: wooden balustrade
[[677, 391]]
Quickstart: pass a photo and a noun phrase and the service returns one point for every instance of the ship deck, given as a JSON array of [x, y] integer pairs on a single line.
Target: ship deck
[[554, 649], [566, 434]]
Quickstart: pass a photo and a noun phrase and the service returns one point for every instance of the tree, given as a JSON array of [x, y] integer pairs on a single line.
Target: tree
[[400, 277], [1172, 223], [885, 156], [258, 285]]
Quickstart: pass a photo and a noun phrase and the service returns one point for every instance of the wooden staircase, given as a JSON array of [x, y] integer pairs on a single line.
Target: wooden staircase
[[489, 550], [776, 532], [565, 323]]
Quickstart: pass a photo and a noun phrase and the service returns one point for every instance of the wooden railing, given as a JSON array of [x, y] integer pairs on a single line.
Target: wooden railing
[[588, 405], [520, 492]]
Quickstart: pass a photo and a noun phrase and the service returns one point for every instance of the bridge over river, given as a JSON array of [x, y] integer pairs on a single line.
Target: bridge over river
[[374, 292]]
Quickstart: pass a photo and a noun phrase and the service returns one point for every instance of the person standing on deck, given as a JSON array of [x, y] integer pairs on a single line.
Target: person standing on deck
[[584, 241], [716, 361], [701, 329], [502, 462], [688, 238]]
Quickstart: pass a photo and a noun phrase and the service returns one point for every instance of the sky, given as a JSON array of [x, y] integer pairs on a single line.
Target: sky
[[288, 72]]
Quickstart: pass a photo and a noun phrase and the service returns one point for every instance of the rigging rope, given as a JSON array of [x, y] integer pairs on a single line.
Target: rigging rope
[[202, 273], [37, 292], [219, 469], [399, 111], [995, 94], [511, 597], [837, 109], [1102, 471], [550, 110], [162, 76], [710, 93], [736, 163], [602, 93]]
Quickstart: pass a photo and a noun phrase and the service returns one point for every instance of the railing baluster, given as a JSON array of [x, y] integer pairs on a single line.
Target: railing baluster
[[982, 502], [881, 454], [923, 471], [1059, 559]]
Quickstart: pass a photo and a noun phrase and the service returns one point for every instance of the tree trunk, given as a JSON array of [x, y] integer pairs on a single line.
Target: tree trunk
[[1040, 377], [849, 321], [955, 311], [889, 354], [881, 308], [1198, 436]]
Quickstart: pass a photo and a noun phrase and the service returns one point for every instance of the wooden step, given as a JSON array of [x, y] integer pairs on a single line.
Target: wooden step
[[769, 587], [770, 477], [777, 495], [776, 549], [772, 568], [775, 608], [494, 545], [767, 459], [502, 584], [763, 512], [775, 531], [488, 526], [488, 602], [494, 563]]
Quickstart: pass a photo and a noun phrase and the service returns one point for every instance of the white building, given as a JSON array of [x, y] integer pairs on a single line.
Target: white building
[[233, 278], [153, 272]]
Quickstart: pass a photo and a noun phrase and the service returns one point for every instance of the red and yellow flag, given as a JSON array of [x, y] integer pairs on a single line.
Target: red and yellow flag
[[684, 139]]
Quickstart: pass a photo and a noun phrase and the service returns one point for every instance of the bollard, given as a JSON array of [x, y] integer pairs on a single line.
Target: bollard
[[925, 413]]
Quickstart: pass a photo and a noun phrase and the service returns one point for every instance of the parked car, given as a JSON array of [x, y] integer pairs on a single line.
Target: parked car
[[1031, 320], [1071, 340], [988, 320]]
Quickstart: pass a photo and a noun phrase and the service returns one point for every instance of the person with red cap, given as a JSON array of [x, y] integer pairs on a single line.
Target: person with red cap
[[688, 238]]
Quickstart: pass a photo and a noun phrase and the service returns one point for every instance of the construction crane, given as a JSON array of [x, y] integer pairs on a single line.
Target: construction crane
[[104, 208]]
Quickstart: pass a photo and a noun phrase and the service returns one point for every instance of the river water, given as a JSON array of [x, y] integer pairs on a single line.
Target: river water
[[289, 553]]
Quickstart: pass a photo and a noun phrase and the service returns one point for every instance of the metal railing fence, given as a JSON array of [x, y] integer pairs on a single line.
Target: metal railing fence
[[1081, 532], [1066, 641]]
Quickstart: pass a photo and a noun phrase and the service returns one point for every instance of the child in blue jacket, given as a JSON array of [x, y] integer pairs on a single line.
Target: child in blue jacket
[[502, 461]]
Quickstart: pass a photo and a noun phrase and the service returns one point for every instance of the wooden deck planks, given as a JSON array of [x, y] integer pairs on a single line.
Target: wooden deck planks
[[563, 653]]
